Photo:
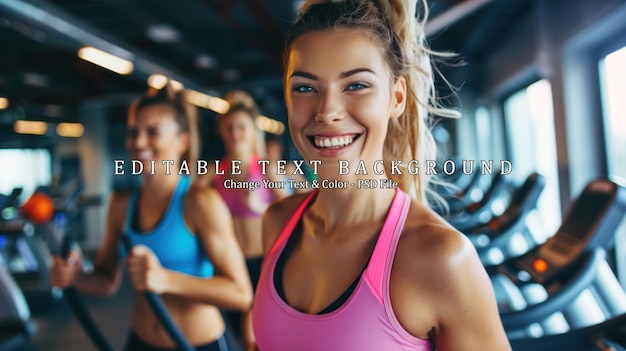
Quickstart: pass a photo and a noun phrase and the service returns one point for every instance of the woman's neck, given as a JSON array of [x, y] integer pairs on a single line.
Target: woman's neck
[[336, 209], [158, 185], [243, 156]]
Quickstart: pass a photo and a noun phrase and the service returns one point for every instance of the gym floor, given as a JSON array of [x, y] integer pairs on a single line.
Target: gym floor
[[59, 330]]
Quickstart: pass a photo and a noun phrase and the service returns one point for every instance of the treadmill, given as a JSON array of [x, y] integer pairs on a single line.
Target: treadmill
[[514, 232], [606, 336], [493, 203], [16, 326], [566, 283], [458, 198], [26, 257]]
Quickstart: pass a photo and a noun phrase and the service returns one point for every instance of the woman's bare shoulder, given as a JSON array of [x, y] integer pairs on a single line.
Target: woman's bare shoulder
[[202, 195], [205, 204], [432, 249], [438, 267]]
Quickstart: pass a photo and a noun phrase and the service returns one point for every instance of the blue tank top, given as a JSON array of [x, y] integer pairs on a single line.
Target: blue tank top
[[173, 243]]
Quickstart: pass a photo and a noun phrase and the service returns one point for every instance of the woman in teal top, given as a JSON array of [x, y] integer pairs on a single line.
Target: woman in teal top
[[184, 247]]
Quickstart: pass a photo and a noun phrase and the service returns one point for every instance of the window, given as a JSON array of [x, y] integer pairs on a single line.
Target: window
[[24, 168], [531, 139], [483, 133], [613, 86]]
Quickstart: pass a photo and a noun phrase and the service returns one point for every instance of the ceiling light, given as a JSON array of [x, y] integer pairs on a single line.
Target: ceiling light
[[4, 103], [157, 81], [270, 125], [230, 75], [70, 130], [30, 127], [176, 85], [163, 34], [206, 101], [218, 105], [106, 60], [204, 61], [35, 79]]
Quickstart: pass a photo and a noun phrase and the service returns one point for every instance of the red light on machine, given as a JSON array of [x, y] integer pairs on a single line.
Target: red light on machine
[[493, 224], [540, 265], [473, 207]]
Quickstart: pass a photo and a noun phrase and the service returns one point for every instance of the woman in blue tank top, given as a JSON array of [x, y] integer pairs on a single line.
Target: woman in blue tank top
[[184, 247]]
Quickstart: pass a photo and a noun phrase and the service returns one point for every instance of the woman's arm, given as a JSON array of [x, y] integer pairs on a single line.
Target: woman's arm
[[230, 288], [464, 302], [107, 274], [206, 179], [440, 290]]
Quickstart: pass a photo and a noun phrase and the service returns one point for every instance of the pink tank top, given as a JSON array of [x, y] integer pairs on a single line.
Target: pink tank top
[[365, 322], [235, 198]]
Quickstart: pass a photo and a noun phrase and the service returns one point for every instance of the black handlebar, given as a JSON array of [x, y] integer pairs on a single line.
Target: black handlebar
[[159, 309], [95, 334], [72, 297]]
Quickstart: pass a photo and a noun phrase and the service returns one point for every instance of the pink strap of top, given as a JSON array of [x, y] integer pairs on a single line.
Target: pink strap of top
[[291, 223], [379, 269], [381, 261]]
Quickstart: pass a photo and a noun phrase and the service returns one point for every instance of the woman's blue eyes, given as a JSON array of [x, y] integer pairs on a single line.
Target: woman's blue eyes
[[357, 86], [304, 89], [309, 89]]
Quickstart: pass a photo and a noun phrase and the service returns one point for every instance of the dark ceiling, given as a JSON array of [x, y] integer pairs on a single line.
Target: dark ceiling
[[209, 45]]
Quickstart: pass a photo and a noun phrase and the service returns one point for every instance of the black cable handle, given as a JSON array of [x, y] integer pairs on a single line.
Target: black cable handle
[[72, 297], [159, 309]]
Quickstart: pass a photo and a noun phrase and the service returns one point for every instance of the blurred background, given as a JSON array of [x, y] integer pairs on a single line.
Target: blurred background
[[539, 83]]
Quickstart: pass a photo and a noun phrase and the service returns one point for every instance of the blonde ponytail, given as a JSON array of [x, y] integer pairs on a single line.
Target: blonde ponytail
[[422, 102]]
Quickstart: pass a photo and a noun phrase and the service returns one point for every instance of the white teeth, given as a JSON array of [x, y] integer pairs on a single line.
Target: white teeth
[[145, 155], [333, 142]]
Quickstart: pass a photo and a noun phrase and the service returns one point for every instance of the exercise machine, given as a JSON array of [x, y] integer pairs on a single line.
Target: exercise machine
[[72, 296], [566, 283], [606, 336], [493, 203], [26, 257], [16, 326], [514, 232], [459, 197], [9, 207]]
